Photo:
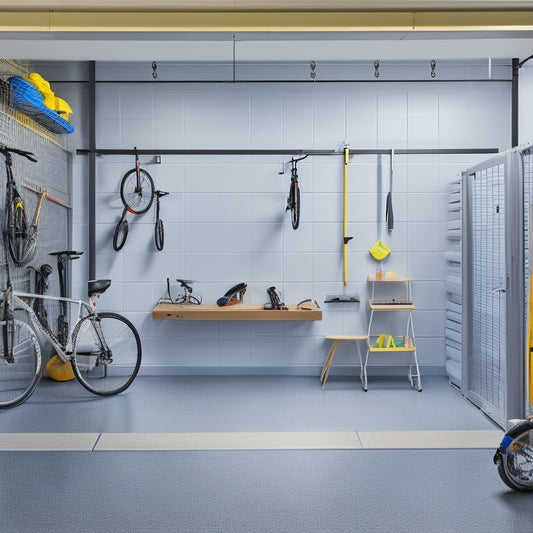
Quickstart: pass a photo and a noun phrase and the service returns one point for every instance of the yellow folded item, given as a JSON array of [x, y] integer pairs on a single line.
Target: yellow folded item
[[50, 100], [58, 370]]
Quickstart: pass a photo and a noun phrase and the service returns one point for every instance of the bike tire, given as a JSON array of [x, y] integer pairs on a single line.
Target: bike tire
[[120, 235], [295, 204], [514, 458], [159, 234], [101, 372], [19, 377], [137, 201]]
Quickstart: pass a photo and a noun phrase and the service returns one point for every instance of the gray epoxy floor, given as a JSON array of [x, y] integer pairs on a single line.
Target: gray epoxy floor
[[246, 403], [294, 491]]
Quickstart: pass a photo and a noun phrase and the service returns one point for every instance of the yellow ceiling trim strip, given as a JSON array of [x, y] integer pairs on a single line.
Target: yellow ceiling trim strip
[[264, 21]]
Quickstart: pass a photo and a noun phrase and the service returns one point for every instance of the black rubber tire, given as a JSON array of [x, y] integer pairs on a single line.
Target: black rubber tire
[[159, 234], [102, 373], [137, 202], [295, 205], [19, 378], [515, 463], [120, 235]]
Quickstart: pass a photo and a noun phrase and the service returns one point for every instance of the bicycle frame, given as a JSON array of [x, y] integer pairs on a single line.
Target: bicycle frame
[[64, 351]]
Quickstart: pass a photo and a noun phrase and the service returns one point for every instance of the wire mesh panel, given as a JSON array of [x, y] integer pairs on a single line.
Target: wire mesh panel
[[50, 175], [487, 357], [527, 171]]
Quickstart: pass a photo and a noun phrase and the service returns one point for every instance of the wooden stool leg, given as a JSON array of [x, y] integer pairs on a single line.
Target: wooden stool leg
[[328, 361]]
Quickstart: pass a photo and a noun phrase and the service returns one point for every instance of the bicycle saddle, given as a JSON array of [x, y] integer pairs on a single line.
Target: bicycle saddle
[[68, 254], [98, 286], [233, 296]]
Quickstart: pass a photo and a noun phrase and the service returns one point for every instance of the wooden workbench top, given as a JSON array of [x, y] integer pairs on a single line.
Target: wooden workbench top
[[241, 311]]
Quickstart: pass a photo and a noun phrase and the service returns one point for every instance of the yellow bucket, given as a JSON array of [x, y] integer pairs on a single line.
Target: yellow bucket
[[379, 250]]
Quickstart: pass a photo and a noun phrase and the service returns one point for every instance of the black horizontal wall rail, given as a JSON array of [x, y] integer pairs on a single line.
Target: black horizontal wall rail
[[298, 151]]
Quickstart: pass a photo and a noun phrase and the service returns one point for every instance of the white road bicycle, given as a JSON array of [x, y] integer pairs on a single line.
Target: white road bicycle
[[103, 348]]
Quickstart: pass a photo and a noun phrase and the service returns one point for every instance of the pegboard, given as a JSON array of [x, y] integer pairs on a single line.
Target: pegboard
[[51, 173]]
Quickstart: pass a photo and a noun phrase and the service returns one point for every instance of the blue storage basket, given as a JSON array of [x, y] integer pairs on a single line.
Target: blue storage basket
[[28, 100]]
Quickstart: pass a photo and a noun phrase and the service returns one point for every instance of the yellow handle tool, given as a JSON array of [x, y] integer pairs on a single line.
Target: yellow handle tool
[[346, 239]]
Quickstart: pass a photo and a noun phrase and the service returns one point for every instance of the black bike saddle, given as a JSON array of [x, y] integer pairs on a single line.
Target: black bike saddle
[[98, 286], [68, 254]]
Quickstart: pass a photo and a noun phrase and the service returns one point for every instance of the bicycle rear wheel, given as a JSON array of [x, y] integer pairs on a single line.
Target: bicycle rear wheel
[[137, 196], [159, 234], [120, 235], [20, 366], [515, 459], [295, 204], [107, 353]]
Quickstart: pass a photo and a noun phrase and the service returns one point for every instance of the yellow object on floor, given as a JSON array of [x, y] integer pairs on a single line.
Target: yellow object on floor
[[58, 370]]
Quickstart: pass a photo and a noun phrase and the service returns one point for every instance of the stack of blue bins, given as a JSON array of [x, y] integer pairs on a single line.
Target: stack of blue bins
[[28, 100]]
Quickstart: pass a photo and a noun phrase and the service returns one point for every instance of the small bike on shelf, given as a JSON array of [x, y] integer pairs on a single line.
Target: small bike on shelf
[[187, 297], [514, 456]]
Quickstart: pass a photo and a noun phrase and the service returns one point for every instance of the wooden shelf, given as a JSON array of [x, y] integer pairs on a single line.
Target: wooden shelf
[[390, 307], [240, 311], [404, 278]]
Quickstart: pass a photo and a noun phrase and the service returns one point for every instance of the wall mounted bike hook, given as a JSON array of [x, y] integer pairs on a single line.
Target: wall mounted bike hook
[[433, 65], [312, 66]]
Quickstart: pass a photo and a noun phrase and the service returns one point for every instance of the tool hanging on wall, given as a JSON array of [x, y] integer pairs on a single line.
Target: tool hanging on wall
[[389, 214], [346, 239], [47, 195]]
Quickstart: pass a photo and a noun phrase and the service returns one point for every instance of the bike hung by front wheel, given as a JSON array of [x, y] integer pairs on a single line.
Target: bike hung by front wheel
[[20, 365], [514, 457], [107, 353]]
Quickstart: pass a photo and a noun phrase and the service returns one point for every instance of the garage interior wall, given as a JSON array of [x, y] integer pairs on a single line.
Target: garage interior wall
[[225, 217]]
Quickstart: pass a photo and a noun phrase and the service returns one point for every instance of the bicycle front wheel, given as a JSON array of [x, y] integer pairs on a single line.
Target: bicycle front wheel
[[137, 194], [107, 353], [515, 463], [20, 366]]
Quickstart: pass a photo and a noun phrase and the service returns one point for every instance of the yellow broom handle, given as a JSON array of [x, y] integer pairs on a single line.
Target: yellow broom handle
[[345, 225]]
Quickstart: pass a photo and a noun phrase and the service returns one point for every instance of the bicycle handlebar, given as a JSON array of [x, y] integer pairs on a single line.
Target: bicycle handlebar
[[28, 155]]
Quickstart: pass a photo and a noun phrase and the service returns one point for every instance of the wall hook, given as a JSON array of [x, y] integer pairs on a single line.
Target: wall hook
[[376, 68], [312, 65], [154, 70], [433, 65]]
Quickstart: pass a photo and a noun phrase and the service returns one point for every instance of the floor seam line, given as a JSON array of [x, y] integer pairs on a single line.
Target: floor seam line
[[96, 441]]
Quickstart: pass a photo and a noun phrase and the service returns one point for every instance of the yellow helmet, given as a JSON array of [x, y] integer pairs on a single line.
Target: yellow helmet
[[58, 370]]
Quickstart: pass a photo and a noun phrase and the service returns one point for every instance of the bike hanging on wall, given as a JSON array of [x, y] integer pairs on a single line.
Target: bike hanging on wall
[[137, 189], [21, 236], [159, 229], [293, 201]]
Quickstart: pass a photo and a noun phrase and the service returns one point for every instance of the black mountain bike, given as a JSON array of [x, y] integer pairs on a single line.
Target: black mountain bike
[[293, 201], [137, 189], [20, 236], [159, 230]]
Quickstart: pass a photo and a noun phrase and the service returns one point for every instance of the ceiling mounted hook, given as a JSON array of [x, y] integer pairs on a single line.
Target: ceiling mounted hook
[[376, 68], [312, 66], [154, 70], [433, 65]]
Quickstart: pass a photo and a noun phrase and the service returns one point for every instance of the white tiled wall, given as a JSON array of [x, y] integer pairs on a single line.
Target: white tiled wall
[[225, 218]]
